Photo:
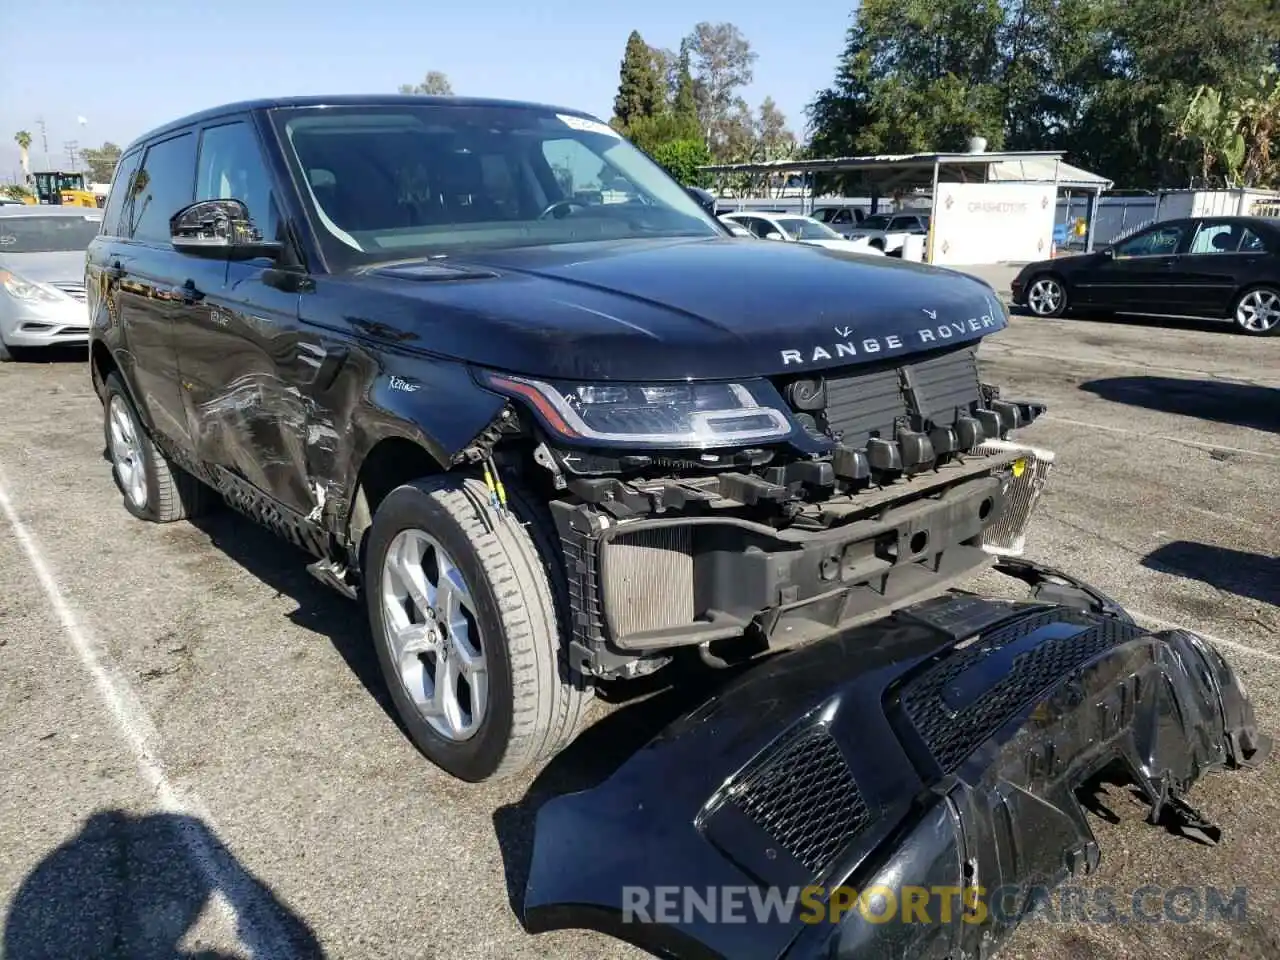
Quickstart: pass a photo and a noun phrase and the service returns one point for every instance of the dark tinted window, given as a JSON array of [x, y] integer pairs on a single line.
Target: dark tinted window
[[231, 167], [119, 188], [1159, 241], [161, 188], [393, 182], [48, 234], [1251, 242]]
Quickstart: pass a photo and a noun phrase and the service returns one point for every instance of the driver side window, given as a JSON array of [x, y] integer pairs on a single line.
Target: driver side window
[[1157, 242]]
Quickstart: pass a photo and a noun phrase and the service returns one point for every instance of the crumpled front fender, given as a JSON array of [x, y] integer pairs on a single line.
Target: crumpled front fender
[[941, 748]]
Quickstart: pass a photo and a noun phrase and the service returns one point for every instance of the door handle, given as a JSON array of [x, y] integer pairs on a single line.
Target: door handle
[[187, 292]]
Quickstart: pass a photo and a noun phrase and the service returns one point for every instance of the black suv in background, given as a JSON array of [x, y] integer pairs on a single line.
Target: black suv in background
[[507, 381]]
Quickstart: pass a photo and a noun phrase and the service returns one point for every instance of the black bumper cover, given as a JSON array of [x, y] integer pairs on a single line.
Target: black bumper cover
[[939, 748]]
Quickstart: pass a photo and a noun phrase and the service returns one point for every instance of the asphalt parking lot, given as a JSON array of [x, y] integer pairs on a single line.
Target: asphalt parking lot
[[197, 755]]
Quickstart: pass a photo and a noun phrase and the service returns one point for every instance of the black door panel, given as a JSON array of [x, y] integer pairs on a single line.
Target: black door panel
[[241, 362]]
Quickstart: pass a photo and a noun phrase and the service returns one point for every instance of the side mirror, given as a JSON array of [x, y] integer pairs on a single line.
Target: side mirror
[[774, 235], [220, 230], [704, 199]]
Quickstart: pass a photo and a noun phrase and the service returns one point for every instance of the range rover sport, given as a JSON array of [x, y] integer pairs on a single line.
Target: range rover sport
[[513, 388]]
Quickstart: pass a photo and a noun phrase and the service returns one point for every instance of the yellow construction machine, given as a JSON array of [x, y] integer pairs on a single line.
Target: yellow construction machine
[[61, 189]]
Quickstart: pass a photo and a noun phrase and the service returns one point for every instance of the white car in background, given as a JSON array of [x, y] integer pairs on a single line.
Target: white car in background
[[888, 231], [796, 229]]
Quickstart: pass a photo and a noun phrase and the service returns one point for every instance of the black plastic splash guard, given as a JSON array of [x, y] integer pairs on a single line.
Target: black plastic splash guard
[[941, 747]]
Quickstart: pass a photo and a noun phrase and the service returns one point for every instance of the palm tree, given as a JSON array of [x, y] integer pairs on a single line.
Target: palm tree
[[23, 140]]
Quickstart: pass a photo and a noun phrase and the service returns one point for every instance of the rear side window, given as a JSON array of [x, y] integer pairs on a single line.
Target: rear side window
[[161, 188], [125, 170]]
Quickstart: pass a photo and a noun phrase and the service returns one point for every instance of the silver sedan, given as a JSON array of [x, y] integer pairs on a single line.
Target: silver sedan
[[42, 251]]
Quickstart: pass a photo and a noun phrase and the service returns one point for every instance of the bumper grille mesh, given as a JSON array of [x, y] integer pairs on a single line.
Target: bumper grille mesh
[[73, 290], [1006, 535], [648, 579], [803, 795], [952, 735]]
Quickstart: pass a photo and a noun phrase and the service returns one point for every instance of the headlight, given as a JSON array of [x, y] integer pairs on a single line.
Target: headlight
[[660, 414], [28, 290]]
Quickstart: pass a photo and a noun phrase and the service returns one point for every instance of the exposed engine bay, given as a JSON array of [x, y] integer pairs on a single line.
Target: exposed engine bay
[[899, 480]]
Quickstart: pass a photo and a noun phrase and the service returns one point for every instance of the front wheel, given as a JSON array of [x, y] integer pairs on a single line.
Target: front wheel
[[1257, 312], [1047, 297], [464, 616]]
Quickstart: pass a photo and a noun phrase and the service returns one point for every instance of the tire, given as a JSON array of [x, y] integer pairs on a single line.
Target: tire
[[1046, 296], [509, 616], [1256, 311], [153, 488]]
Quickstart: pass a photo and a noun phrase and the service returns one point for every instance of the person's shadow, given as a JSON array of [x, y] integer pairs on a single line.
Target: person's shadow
[[133, 887]]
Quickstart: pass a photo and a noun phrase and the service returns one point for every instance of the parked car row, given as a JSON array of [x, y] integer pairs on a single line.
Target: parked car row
[[796, 229]]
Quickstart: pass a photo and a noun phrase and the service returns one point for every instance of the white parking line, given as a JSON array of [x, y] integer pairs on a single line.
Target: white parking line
[[237, 899], [1145, 620]]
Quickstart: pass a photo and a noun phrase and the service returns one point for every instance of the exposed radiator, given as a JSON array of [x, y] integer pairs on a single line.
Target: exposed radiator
[[1007, 534], [648, 579]]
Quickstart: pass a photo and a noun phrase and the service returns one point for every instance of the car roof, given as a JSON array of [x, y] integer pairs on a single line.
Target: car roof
[[347, 100], [47, 210]]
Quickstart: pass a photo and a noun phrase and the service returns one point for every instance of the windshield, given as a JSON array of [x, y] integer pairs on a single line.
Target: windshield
[[877, 222], [47, 234], [802, 228], [407, 181]]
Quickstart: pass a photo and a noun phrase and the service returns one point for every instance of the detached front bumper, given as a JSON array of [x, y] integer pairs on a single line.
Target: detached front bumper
[[938, 750]]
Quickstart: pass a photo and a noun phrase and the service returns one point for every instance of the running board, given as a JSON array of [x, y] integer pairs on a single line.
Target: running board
[[335, 576]]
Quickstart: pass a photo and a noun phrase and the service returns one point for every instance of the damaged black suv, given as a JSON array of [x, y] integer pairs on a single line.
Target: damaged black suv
[[509, 382]]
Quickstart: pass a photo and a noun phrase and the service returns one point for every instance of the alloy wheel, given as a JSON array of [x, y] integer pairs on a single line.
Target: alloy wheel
[[126, 452], [1045, 297], [431, 630], [1259, 311]]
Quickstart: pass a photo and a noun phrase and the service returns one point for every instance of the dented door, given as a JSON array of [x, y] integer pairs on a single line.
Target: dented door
[[238, 364]]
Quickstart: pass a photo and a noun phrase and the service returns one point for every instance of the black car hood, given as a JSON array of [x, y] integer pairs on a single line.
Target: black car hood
[[939, 748], [674, 309]]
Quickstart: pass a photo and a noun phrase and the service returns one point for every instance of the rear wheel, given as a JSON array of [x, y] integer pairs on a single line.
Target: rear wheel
[[467, 620], [1257, 312], [1047, 297], [153, 488]]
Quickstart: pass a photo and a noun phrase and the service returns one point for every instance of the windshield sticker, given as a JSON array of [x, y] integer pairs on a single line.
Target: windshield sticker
[[588, 126]]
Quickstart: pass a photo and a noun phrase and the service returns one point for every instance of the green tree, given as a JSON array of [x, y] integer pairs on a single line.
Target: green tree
[[1110, 82], [722, 63], [101, 161], [434, 84], [684, 100], [683, 158], [23, 139], [640, 89]]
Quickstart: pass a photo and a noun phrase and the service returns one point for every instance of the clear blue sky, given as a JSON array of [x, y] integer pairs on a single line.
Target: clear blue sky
[[128, 65]]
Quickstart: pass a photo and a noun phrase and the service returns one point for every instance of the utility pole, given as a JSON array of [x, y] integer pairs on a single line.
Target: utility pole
[[44, 142], [73, 151]]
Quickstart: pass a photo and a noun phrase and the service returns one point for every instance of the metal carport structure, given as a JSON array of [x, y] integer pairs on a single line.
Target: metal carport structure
[[889, 174]]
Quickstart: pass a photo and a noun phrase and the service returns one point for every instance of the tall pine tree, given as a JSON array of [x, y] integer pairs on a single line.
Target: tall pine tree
[[640, 89]]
